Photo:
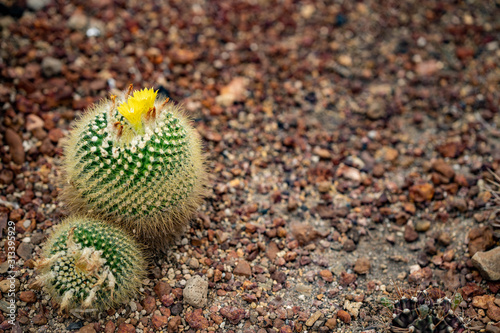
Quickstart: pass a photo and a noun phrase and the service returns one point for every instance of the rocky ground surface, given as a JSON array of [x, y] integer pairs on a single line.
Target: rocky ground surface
[[349, 146]]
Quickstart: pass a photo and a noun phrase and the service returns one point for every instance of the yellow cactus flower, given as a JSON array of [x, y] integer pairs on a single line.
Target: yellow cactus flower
[[136, 106]]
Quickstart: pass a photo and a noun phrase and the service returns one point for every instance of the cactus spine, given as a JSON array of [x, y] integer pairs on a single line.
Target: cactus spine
[[89, 264], [136, 161]]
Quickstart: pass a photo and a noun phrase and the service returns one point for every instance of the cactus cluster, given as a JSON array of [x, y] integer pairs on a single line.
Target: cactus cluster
[[421, 313], [135, 160], [132, 166], [89, 264]]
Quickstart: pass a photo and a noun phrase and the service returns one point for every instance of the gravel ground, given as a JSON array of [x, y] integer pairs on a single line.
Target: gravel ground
[[349, 146]]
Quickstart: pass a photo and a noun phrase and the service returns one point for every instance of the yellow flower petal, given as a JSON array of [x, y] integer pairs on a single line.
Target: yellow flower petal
[[136, 106]]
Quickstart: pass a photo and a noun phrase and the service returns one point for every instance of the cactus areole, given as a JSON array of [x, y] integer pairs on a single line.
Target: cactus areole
[[135, 160]]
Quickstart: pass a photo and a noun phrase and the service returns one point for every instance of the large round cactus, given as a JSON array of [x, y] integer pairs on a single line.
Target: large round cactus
[[137, 161], [90, 264]]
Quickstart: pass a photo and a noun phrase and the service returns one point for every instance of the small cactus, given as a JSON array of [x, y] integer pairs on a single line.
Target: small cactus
[[136, 161], [91, 265], [421, 313]]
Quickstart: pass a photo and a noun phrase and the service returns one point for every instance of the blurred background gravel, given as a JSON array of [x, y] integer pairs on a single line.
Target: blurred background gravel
[[349, 145]]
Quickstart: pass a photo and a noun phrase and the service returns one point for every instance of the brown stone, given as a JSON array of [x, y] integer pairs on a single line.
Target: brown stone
[[464, 52], [182, 56], [4, 325], [233, 314], [196, 320], [331, 323], [55, 135], [110, 327], [481, 239], [27, 296], [243, 268], [278, 276], [450, 149], [494, 286], [167, 300], [25, 250], [378, 170], [212, 136], [493, 327], [47, 148], [471, 289], [326, 275], [249, 298], [39, 319], [482, 301], [26, 225], [313, 318], [390, 154], [235, 91], [216, 318], [346, 278], [362, 266], [448, 255], [250, 227], [410, 234], [409, 207], [165, 312], [272, 250], [173, 324], [15, 143], [349, 245], [493, 312], [422, 225], [420, 275], [443, 168], [428, 68], [324, 187], [322, 153], [126, 328], [89, 328], [459, 204], [33, 122], [162, 288], [461, 180], [284, 329], [291, 256], [6, 176], [488, 263], [344, 316], [444, 238], [304, 233], [149, 304], [159, 321], [421, 192]]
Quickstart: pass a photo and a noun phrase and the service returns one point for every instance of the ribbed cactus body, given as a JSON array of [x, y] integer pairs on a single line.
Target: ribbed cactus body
[[422, 314], [147, 176], [144, 171], [90, 264]]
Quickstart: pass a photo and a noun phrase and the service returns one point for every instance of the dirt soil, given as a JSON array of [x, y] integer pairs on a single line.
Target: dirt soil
[[349, 146]]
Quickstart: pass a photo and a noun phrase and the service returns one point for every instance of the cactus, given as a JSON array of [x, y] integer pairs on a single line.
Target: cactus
[[135, 161], [90, 264], [421, 313]]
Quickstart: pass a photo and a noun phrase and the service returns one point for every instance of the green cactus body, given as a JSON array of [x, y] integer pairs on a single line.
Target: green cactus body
[[89, 264], [142, 168]]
